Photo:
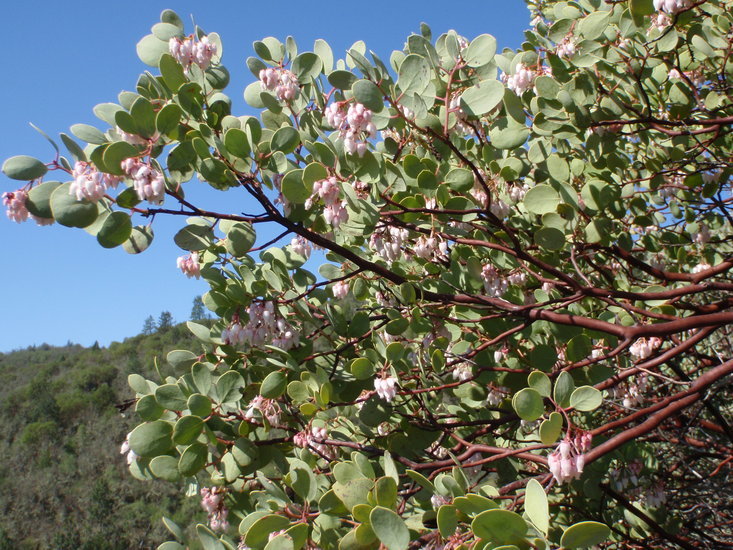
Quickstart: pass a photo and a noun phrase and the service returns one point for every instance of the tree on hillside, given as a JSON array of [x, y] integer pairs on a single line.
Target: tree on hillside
[[149, 325], [519, 334], [198, 310], [165, 320]]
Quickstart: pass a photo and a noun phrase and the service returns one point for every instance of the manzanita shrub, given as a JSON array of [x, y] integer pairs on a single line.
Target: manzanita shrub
[[519, 336]]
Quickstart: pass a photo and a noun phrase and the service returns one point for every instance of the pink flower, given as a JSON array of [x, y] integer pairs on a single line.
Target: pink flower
[[189, 265]]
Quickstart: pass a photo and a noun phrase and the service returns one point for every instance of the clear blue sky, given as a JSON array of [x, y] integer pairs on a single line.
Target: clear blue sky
[[65, 57]]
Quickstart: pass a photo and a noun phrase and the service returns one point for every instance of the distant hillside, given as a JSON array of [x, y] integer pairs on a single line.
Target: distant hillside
[[63, 483]]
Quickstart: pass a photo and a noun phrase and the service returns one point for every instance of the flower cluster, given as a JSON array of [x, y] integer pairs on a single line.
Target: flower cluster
[[632, 392], [189, 265], [328, 191], [267, 408], [660, 21], [494, 283], [281, 81], [387, 241], [386, 388], [264, 325], [496, 395], [431, 248], [499, 208], [438, 500], [462, 372], [702, 235], [340, 289], [454, 106], [353, 125], [309, 438], [566, 48], [671, 6], [522, 79], [567, 461], [643, 348], [700, 267], [212, 500], [301, 246], [125, 449], [149, 184], [89, 183], [188, 51], [15, 203]]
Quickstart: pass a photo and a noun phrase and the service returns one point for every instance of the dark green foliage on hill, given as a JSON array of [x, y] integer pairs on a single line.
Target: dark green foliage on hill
[[64, 483]]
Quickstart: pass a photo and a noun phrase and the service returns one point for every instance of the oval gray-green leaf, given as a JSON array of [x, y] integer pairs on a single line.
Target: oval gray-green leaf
[[585, 534], [273, 385], [70, 212], [586, 398], [193, 459], [536, 506], [367, 93], [24, 168], [140, 239], [482, 97], [187, 429], [541, 199], [390, 528], [499, 526], [480, 51], [115, 230], [285, 139], [38, 202], [152, 438], [528, 404]]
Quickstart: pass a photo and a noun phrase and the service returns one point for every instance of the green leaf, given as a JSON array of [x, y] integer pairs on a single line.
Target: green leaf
[[144, 116], [343, 80], [140, 239], [194, 237], [293, 188], [460, 179], [564, 387], [274, 385], [285, 139], [172, 72], [152, 438], [306, 67], [257, 535], [208, 539], [115, 154], [353, 492], [368, 94], [240, 238], [150, 48], [148, 408], [237, 143], [507, 134], [414, 74], [539, 381], [536, 506], [541, 199], [187, 429], [171, 397], [528, 404], [38, 202], [549, 238], [115, 230], [24, 168], [447, 520], [70, 212], [592, 26], [482, 97], [198, 404], [586, 398], [362, 368], [88, 133], [168, 118], [389, 528], [165, 467], [480, 51], [386, 491], [499, 526], [579, 347], [551, 428], [585, 534]]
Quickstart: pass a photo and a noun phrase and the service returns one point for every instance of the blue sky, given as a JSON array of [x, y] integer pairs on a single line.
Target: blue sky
[[58, 284]]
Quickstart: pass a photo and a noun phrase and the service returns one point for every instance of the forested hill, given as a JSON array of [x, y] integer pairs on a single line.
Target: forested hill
[[63, 483]]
